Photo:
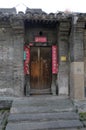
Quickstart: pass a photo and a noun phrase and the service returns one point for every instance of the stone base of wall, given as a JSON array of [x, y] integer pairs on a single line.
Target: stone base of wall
[[77, 80]]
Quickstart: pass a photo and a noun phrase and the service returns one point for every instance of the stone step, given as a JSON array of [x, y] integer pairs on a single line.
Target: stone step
[[42, 104], [40, 109], [43, 113], [47, 125], [43, 101], [43, 116]]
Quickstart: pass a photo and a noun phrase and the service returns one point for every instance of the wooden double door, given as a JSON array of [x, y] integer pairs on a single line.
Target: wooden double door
[[40, 70]]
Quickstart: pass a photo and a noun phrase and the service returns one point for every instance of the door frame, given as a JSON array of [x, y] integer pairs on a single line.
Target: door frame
[[54, 85]]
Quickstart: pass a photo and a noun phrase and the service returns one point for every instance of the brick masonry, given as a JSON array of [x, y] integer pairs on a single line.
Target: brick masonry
[[85, 60], [62, 31], [11, 60], [63, 44], [77, 61]]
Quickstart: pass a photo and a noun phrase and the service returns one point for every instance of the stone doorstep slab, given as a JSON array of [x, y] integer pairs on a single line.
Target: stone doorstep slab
[[41, 101], [43, 116], [44, 105], [44, 125], [38, 97], [39, 109]]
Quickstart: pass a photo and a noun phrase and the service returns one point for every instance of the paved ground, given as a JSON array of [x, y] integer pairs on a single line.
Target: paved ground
[[43, 113]]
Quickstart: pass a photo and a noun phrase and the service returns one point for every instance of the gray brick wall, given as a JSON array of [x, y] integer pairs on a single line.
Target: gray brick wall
[[18, 66], [6, 61], [11, 60], [76, 59], [63, 45], [47, 31], [76, 43], [85, 59]]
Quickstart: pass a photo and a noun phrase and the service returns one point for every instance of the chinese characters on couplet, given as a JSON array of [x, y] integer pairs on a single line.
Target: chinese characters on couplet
[[54, 60]]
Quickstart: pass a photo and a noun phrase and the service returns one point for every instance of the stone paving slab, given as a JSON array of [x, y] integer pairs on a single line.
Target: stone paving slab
[[44, 125], [43, 116]]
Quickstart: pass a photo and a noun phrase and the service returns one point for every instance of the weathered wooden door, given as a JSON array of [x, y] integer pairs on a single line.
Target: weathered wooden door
[[40, 70]]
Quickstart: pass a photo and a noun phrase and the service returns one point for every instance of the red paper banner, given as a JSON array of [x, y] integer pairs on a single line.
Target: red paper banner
[[27, 59], [54, 60], [40, 39]]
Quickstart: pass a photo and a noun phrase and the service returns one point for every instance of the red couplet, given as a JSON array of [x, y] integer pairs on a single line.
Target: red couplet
[[27, 59], [54, 60]]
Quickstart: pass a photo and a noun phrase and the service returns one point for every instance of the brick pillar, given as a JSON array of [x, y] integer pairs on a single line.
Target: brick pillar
[[18, 41], [85, 59], [77, 60], [6, 57], [18, 66], [63, 43]]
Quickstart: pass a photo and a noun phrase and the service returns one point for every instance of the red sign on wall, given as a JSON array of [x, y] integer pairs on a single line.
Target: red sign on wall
[[40, 39], [26, 59], [54, 60]]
